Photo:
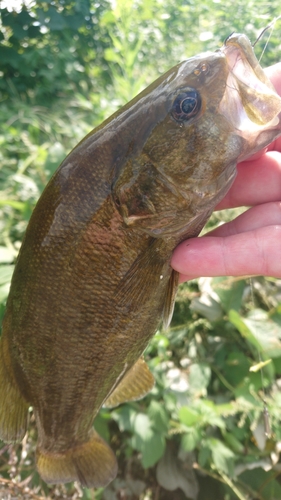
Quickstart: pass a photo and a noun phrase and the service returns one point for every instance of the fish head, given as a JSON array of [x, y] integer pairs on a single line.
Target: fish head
[[201, 118]]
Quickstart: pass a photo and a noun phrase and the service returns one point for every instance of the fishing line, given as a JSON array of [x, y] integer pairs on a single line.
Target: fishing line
[[269, 26], [261, 364]]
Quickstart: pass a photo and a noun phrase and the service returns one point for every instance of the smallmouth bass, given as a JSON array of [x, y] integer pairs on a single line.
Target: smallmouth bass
[[93, 278]]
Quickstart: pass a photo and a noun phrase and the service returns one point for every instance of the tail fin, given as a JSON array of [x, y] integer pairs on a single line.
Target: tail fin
[[92, 463], [13, 407]]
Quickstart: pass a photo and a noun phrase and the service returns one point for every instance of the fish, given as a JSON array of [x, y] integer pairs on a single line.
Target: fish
[[93, 280]]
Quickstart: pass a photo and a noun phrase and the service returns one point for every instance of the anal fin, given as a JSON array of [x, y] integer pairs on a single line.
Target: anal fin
[[92, 463], [13, 407], [137, 382]]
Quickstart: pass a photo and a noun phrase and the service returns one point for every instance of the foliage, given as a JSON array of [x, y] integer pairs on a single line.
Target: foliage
[[66, 66]]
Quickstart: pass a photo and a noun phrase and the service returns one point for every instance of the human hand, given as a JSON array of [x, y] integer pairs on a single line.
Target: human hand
[[251, 243]]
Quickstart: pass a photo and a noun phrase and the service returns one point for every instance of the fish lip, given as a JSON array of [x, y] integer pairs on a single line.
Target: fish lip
[[250, 103], [243, 64], [242, 44], [241, 59]]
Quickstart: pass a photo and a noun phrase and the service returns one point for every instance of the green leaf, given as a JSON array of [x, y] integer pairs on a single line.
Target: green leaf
[[188, 416], [6, 273], [226, 409], [152, 450], [107, 18], [207, 306], [4, 291], [236, 367], [75, 22], [18, 32], [202, 413], [276, 316], [262, 481], [190, 439], [101, 426], [148, 441], [10, 56], [142, 426], [56, 154], [222, 456], [117, 44], [124, 416], [18, 205], [208, 413], [240, 324], [233, 443], [158, 416], [57, 21], [230, 292], [173, 473], [204, 455], [112, 56]]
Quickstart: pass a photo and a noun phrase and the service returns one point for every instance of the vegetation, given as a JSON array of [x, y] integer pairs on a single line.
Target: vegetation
[[65, 66]]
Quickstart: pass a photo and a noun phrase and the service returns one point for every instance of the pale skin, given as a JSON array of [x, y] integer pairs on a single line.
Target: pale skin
[[251, 243]]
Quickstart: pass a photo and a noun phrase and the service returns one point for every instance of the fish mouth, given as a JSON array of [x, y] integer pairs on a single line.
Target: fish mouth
[[250, 103]]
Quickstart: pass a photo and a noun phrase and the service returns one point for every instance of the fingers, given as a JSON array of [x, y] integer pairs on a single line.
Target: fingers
[[256, 252], [257, 181], [268, 214]]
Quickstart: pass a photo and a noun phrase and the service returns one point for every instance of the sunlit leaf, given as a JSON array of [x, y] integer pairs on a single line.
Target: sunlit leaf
[[199, 376], [6, 255], [260, 331], [6, 274], [142, 426], [188, 416]]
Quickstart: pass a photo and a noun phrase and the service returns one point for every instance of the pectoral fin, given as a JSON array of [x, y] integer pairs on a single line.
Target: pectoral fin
[[137, 382], [141, 279], [170, 299]]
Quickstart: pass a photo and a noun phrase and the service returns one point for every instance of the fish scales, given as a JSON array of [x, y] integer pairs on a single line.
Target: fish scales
[[93, 278]]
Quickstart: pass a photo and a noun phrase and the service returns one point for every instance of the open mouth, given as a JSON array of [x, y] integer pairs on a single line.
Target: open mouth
[[250, 102]]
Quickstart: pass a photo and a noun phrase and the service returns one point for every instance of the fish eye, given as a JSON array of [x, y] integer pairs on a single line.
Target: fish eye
[[186, 105]]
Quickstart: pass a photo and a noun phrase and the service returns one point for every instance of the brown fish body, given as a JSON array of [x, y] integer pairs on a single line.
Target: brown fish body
[[93, 279]]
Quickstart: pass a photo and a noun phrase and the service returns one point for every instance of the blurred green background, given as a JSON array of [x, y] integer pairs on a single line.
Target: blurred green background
[[199, 435]]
